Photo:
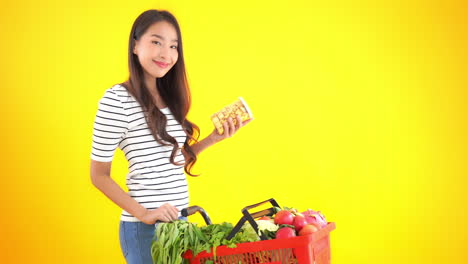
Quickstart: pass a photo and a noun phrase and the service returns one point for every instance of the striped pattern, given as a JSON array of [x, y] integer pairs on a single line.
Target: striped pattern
[[151, 180]]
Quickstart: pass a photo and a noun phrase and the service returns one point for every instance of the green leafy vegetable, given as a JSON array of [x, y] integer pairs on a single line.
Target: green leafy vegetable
[[173, 239]]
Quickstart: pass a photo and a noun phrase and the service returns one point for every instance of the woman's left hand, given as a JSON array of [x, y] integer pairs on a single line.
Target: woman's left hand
[[229, 129]]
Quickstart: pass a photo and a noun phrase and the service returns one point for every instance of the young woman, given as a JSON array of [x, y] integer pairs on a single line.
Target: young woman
[[146, 117]]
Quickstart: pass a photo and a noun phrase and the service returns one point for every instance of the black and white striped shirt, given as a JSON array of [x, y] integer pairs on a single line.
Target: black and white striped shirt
[[152, 179]]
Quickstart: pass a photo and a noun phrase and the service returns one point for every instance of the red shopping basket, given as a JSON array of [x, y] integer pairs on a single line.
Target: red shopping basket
[[310, 249]]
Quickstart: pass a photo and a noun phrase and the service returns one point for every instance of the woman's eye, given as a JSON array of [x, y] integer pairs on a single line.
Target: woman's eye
[[156, 42], [173, 47]]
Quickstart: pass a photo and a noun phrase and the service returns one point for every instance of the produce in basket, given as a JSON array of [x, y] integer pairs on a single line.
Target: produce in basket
[[299, 222], [308, 230], [284, 217], [314, 217], [174, 238], [266, 225], [285, 232], [304, 223], [291, 218]]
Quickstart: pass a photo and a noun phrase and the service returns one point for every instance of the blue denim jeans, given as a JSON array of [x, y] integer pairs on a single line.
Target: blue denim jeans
[[135, 241]]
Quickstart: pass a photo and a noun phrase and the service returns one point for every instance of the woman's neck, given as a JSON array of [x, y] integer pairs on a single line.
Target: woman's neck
[[151, 85]]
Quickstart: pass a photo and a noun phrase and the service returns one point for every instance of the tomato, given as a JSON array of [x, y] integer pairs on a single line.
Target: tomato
[[284, 217], [285, 232], [265, 218], [299, 222], [308, 229]]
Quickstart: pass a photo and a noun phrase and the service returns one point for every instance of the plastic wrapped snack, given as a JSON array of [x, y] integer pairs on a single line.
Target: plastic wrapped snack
[[239, 107]]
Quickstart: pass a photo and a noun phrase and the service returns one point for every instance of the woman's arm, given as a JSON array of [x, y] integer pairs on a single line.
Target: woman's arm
[[198, 147], [100, 177]]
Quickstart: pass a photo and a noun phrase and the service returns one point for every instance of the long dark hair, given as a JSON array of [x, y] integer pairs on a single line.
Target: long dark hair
[[172, 87]]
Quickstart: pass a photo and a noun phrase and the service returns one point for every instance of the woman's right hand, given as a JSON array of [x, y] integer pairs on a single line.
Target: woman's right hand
[[164, 213]]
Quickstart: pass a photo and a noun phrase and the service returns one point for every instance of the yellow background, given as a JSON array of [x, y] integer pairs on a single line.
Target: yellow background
[[360, 112]]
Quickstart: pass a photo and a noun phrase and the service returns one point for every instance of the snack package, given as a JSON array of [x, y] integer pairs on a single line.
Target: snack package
[[239, 107]]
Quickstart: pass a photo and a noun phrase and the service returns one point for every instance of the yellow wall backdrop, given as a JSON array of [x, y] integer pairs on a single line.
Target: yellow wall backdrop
[[360, 112]]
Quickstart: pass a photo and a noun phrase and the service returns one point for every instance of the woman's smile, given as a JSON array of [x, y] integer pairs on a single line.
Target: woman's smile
[[161, 64]]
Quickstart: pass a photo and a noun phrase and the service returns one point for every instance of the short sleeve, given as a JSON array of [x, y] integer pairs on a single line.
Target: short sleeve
[[110, 127]]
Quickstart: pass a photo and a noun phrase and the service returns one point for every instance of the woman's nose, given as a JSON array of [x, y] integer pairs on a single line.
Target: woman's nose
[[163, 53]]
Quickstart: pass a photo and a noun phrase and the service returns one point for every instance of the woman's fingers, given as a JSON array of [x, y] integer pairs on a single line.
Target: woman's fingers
[[239, 122], [163, 218], [246, 122], [170, 212], [226, 128], [230, 128], [175, 213], [170, 216]]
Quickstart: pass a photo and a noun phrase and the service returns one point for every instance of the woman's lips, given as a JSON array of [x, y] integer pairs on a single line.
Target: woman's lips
[[161, 64]]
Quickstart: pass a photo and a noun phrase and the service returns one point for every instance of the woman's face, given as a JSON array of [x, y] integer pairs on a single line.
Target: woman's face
[[157, 49]]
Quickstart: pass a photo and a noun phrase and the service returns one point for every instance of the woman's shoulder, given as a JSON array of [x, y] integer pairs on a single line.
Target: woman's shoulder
[[119, 92]]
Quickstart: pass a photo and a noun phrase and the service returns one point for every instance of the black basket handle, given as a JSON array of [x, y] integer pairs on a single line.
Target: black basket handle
[[251, 217], [272, 201], [194, 209]]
